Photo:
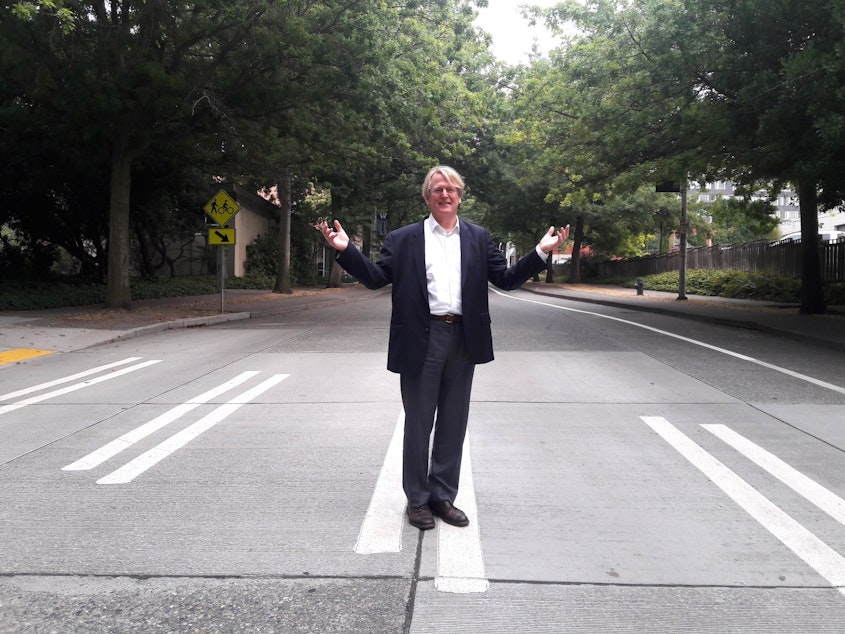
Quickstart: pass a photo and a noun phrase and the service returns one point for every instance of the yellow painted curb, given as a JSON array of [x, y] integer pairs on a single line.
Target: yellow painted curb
[[21, 354]]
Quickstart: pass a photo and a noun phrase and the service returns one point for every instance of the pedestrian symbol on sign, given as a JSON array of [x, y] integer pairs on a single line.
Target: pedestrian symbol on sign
[[221, 208]]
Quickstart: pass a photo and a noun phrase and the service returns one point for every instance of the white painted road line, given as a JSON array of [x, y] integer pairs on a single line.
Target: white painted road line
[[139, 465], [78, 386], [381, 530], [460, 562], [67, 379], [814, 552], [99, 456], [730, 353], [811, 490]]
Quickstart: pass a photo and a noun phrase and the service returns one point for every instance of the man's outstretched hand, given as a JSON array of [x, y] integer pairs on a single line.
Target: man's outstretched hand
[[552, 240], [336, 237]]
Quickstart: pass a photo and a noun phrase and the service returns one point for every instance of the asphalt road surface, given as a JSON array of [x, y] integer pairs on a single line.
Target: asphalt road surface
[[624, 472]]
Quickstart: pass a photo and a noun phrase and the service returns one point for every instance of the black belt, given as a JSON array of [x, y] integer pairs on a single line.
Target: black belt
[[449, 318]]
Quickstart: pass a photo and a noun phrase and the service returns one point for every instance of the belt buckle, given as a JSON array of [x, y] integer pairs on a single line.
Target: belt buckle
[[448, 319]]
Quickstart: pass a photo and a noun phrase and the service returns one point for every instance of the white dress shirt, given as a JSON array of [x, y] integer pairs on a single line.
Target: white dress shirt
[[443, 267]]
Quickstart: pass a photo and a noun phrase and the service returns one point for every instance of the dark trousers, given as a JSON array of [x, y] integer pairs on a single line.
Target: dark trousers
[[442, 388]]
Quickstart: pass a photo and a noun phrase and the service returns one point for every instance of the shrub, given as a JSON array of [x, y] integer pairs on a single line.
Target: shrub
[[262, 255], [726, 283]]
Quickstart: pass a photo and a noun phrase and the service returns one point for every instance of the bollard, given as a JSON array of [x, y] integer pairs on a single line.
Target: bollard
[[640, 285]]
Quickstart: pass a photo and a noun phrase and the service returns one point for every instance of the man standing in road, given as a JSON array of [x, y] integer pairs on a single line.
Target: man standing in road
[[439, 330]]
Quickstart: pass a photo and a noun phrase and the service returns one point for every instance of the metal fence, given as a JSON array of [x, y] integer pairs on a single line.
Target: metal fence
[[776, 258]]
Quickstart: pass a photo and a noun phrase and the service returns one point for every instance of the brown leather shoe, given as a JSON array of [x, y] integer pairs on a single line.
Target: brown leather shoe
[[421, 517], [448, 513]]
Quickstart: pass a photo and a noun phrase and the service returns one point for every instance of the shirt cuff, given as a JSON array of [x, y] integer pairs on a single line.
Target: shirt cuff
[[543, 256]]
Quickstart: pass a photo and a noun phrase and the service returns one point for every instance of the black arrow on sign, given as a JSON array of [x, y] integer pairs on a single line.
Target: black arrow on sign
[[224, 237]]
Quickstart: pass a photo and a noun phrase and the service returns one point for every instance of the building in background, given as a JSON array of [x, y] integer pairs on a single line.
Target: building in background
[[786, 208]]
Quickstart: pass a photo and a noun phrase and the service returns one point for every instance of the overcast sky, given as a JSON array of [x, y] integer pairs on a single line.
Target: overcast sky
[[512, 37]]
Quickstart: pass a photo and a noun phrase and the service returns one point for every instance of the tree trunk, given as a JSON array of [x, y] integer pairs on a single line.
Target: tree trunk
[[118, 287], [283, 269], [550, 274], [575, 262], [812, 290]]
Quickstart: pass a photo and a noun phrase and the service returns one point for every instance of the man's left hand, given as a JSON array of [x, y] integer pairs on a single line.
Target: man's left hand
[[552, 240]]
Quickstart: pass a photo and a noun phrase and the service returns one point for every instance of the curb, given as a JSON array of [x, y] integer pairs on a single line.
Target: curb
[[210, 320], [190, 322], [722, 321]]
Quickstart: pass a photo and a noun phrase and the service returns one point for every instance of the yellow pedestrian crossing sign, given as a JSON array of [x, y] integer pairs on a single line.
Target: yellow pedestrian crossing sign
[[221, 236], [221, 208]]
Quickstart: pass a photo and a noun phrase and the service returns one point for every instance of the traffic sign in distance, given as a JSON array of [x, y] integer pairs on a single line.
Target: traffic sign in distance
[[220, 236], [221, 208]]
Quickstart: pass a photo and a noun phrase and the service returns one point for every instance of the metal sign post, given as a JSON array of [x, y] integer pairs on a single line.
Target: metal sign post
[[682, 271], [221, 276], [221, 209]]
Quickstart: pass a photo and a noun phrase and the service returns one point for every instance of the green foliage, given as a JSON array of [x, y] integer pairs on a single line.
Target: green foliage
[[357, 95], [262, 259], [15, 295], [253, 281], [28, 261], [262, 256], [737, 220], [159, 287], [725, 283], [747, 91], [29, 9]]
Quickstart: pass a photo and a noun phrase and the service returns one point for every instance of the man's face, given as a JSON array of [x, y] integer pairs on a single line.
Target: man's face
[[443, 200]]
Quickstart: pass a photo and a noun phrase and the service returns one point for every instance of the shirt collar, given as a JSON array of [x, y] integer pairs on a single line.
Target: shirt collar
[[432, 225]]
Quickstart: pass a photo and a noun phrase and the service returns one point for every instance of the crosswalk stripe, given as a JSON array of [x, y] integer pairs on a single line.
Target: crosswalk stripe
[[381, 530], [66, 379], [99, 456], [4, 409], [811, 490], [460, 562], [139, 465], [814, 552]]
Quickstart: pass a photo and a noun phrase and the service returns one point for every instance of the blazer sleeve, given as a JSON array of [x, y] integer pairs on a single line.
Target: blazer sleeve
[[359, 266], [509, 278]]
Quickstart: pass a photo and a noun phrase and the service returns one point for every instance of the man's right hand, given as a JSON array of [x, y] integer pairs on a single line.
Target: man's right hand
[[336, 237]]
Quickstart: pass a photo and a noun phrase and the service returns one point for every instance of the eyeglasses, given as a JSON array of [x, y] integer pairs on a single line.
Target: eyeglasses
[[437, 191]]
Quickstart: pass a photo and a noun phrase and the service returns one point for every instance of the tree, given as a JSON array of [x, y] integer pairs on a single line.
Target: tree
[[743, 90], [740, 220], [131, 77], [777, 86], [387, 91]]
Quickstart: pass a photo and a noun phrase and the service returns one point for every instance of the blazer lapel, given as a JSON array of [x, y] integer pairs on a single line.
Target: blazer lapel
[[418, 256], [466, 252]]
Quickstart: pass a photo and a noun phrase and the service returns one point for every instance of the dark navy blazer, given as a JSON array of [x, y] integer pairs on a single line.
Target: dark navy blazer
[[402, 263]]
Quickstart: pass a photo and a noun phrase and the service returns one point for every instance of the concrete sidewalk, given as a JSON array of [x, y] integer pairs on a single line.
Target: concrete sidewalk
[[69, 329], [79, 327]]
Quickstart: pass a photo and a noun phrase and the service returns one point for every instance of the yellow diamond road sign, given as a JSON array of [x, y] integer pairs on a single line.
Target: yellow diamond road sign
[[221, 208]]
